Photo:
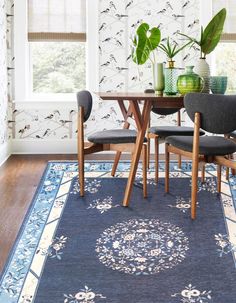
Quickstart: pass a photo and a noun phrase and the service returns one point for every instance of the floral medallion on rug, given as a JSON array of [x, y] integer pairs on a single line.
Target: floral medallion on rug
[[91, 249]]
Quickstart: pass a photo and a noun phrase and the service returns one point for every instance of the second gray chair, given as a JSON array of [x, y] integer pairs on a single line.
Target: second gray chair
[[161, 132], [215, 114]]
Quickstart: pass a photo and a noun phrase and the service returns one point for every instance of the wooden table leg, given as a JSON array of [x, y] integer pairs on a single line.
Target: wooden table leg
[[139, 143], [126, 114]]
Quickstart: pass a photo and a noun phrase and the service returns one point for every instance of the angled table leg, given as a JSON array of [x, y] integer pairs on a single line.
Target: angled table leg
[[126, 114], [144, 119]]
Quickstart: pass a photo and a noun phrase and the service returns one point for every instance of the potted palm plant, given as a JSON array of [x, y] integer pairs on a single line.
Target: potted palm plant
[[171, 73], [144, 48], [209, 39]]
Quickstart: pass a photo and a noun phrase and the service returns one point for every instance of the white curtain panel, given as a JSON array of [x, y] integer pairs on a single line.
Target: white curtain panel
[[230, 5], [57, 16]]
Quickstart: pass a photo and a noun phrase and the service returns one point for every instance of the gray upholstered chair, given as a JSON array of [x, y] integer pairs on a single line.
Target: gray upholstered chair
[[215, 114], [121, 140], [161, 132]]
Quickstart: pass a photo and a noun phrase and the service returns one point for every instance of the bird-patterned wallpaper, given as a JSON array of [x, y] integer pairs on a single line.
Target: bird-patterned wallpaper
[[3, 74], [117, 24]]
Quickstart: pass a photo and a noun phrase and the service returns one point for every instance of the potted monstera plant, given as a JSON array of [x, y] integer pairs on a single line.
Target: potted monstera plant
[[144, 48], [209, 39]]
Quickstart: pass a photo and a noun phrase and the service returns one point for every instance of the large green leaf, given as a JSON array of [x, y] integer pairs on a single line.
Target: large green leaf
[[212, 33], [154, 38], [144, 43]]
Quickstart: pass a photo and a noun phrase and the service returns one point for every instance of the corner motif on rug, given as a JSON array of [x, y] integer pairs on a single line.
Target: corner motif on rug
[[90, 185], [55, 249]]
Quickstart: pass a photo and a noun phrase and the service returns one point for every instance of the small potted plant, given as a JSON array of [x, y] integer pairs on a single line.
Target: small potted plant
[[209, 39], [171, 73], [144, 48]]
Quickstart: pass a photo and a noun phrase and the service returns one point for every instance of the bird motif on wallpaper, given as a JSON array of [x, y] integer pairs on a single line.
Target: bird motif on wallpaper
[[120, 16], [195, 22], [103, 25], [163, 11], [105, 64], [176, 17], [186, 3], [107, 10], [129, 4], [168, 5]]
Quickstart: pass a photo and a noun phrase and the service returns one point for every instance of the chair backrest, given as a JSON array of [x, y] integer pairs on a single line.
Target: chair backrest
[[85, 100], [218, 112], [164, 111]]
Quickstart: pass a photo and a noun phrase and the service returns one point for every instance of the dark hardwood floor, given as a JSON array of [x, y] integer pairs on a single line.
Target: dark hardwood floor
[[19, 178]]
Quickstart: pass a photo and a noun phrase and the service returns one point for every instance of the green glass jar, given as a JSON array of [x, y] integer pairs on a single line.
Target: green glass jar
[[171, 76], [189, 82]]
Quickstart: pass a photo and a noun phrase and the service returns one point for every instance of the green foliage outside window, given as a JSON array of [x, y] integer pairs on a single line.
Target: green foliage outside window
[[58, 67]]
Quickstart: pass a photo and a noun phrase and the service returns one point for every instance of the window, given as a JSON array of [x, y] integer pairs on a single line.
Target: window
[[57, 67], [225, 53], [56, 32]]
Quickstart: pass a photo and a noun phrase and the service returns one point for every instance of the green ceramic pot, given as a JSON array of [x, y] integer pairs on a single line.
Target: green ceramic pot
[[189, 82]]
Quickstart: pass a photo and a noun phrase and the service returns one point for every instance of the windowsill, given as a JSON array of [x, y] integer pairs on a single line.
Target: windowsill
[[48, 98]]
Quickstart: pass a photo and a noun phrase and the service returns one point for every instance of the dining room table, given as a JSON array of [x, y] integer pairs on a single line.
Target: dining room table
[[138, 106]]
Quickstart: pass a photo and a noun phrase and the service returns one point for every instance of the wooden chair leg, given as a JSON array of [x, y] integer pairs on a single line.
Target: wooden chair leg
[[115, 164], [203, 173], [233, 171], [219, 178], [194, 188], [167, 167], [81, 168], [227, 174], [144, 170], [156, 141], [148, 151], [179, 162]]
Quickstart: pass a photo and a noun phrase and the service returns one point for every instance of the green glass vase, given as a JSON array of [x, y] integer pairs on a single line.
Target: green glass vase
[[189, 82], [171, 76], [158, 78]]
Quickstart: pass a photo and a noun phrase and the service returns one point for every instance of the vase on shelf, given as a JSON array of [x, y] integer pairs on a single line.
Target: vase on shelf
[[158, 78], [189, 82], [171, 76], [202, 68]]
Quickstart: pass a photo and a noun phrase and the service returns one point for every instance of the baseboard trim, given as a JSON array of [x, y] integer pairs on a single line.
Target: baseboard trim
[[5, 152], [44, 147]]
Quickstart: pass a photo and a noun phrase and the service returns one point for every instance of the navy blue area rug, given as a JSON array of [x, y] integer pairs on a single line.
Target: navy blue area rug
[[90, 250]]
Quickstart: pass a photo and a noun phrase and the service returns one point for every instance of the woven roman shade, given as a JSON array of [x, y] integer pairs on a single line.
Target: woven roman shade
[[57, 20], [230, 22]]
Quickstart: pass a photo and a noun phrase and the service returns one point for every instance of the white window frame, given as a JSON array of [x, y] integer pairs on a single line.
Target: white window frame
[[22, 56]]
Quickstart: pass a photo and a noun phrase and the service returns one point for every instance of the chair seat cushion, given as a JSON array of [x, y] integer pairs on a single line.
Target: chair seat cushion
[[165, 131], [208, 145], [114, 136], [233, 134]]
